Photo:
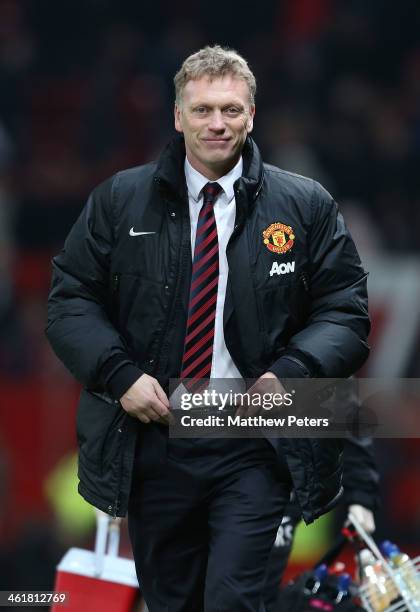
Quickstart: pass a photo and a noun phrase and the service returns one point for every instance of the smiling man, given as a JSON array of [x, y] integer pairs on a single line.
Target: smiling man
[[207, 263], [215, 115]]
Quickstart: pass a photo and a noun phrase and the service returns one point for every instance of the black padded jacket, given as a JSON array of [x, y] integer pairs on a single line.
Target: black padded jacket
[[117, 300]]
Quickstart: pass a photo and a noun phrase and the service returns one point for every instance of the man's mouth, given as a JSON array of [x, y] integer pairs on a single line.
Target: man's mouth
[[216, 139]]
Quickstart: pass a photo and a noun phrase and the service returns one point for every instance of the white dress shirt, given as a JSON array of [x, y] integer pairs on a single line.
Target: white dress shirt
[[224, 212]]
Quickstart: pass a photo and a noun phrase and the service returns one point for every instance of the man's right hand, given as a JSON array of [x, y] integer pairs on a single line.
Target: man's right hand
[[146, 401]]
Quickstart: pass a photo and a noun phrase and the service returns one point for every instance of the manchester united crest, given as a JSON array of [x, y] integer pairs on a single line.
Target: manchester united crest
[[278, 238]]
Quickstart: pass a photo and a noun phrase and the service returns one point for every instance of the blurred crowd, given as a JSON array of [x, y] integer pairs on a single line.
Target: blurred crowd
[[86, 90]]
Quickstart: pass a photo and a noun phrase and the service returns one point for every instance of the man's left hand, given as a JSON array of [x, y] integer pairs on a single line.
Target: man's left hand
[[268, 383], [364, 516]]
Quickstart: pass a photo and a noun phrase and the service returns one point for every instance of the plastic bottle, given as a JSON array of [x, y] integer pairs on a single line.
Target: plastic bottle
[[406, 575], [375, 581], [343, 585]]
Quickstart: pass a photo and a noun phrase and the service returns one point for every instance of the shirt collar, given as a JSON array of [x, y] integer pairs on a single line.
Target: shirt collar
[[196, 180]]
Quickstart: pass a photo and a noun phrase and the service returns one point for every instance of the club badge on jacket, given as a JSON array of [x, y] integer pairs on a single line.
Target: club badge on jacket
[[278, 237]]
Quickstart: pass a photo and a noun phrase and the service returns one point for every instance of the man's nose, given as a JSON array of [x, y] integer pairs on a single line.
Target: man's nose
[[216, 122]]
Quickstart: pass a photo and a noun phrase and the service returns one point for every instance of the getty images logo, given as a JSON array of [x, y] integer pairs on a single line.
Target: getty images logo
[[282, 268]]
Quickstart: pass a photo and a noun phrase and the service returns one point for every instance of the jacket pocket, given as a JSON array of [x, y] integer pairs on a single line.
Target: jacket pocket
[[283, 308], [125, 289], [278, 316], [327, 456], [99, 426], [140, 307]]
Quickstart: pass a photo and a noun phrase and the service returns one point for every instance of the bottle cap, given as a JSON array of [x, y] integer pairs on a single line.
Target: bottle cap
[[366, 557], [321, 571], [388, 548], [344, 581], [338, 568]]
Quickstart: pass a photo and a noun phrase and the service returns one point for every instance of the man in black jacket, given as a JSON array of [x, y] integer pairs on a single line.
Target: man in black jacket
[[205, 264]]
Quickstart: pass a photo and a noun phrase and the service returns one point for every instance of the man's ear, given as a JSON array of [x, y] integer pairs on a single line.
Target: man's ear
[[250, 120], [177, 116]]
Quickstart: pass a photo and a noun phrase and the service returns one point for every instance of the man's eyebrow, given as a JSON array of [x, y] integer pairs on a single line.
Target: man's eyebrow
[[237, 104], [209, 105]]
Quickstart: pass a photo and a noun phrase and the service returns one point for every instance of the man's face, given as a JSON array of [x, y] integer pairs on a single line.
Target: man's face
[[215, 117]]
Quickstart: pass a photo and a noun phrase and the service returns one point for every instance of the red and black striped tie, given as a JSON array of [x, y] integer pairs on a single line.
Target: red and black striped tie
[[198, 348]]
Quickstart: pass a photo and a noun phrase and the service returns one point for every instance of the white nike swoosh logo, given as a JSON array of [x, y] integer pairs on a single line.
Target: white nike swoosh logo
[[133, 233]]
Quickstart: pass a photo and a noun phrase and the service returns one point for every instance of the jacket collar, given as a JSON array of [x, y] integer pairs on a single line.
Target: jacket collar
[[253, 171], [170, 173], [196, 181]]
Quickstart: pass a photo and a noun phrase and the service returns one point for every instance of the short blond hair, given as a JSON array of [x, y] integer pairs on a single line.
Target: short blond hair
[[214, 62]]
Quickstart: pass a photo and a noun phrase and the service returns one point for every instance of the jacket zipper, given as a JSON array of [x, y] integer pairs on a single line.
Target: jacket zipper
[[115, 282], [305, 282], [182, 260], [121, 432]]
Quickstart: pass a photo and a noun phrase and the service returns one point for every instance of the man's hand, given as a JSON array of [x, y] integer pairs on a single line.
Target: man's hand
[[364, 516], [267, 383], [147, 401]]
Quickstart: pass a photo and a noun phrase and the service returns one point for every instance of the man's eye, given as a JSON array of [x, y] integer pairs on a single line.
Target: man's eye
[[200, 110], [232, 110]]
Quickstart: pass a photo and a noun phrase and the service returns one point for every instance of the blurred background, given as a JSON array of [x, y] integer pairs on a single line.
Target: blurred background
[[86, 90]]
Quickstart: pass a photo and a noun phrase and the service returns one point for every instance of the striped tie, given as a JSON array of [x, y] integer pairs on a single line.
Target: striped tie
[[198, 348]]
